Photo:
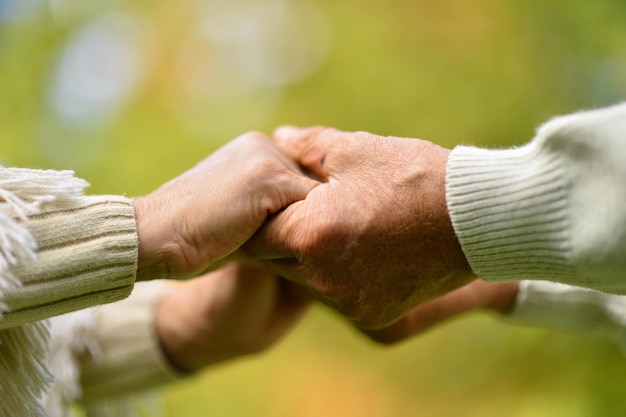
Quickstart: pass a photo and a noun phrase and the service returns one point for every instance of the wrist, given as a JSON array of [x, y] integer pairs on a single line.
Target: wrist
[[151, 259], [504, 296], [507, 207], [455, 247]]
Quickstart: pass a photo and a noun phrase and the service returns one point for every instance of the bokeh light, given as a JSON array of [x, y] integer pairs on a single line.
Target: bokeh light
[[97, 71], [236, 57]]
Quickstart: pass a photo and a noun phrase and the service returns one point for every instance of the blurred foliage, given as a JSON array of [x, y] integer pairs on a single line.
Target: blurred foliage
[[484, 72]]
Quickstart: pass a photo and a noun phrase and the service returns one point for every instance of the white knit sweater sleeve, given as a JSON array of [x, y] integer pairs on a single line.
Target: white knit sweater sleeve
[[565, 307], [551, 210]]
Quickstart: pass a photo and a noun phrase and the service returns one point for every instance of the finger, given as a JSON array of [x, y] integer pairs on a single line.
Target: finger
[[291, 270], [279, 259], [310, 147], [275, 238], [267, 144], [294, 187]]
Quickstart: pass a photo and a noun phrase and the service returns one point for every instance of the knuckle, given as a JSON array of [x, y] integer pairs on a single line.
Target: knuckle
[[267, 167], [316, 134], [252, 142], [319, 130]]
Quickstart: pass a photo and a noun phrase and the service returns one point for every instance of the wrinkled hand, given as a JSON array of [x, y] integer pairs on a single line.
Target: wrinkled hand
[[477, 295], [234, 311], [375, 239], [205, 214]]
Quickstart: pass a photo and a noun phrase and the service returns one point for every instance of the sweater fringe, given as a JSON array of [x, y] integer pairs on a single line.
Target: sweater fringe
[[24, 349]]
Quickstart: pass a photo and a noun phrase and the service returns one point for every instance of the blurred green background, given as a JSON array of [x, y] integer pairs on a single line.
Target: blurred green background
[[131, 93]]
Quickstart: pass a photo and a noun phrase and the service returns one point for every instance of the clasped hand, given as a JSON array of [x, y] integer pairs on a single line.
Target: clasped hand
[[366, 231], [374, 239], [192, 224]]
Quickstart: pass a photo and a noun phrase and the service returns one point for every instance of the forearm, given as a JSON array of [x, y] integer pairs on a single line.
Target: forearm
[[551, 210]]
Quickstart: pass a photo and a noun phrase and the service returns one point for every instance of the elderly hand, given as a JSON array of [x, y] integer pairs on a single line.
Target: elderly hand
[[375, 239], [205, 214], [234, 311]]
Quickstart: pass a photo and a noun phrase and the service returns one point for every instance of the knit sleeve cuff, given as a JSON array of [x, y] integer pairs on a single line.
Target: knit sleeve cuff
[[86, 255], [564, 307], [507, 210], [128, 357]]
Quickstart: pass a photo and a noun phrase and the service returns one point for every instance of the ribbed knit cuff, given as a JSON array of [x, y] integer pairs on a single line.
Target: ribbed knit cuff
[[508, 211], [87, 255], [129, 358], [565, 307]]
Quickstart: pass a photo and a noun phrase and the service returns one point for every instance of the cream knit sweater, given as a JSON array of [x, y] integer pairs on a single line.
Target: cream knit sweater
[[552, 210], [86, 255]]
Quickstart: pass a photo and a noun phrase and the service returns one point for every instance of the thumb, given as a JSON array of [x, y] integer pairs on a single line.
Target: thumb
[[295, 188], [309, 147]]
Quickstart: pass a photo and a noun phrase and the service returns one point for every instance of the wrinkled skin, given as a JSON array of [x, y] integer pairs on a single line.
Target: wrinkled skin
[[375, 239], [205, 214]]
